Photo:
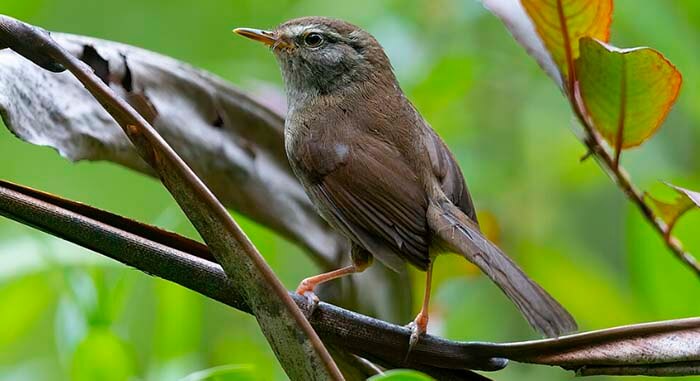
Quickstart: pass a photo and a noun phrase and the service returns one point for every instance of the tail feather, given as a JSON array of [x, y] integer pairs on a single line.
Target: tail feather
[[460, 234]]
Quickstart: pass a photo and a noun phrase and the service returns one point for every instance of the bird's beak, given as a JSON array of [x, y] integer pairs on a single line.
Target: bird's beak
[[266, 37]]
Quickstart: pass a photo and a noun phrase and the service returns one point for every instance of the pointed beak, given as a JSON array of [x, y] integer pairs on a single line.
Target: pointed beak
[[266, 37]]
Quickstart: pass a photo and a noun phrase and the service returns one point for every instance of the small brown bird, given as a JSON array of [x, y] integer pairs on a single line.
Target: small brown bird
[[376, 170]]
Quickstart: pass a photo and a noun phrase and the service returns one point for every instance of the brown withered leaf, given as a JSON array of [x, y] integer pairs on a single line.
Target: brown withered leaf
[[230, 141]]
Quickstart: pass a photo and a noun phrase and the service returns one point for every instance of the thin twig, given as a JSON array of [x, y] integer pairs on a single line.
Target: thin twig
[[620, 176]]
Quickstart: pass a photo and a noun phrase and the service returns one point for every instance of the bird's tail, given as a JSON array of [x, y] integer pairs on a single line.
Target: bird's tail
[[458, 233]]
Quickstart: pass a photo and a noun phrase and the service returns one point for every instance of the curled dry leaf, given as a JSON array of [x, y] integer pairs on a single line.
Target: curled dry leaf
[[234, 144], [670, 212], [296, 345], [627, 92]]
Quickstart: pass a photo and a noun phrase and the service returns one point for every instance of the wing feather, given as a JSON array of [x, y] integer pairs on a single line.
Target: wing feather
[[380, 203]]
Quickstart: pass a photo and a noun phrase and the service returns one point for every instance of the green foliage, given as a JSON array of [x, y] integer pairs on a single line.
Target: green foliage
[[223, 373], [102, 356], [401, 375], [563, 221]]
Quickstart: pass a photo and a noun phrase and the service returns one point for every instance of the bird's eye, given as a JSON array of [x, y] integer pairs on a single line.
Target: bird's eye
[[313, 40]]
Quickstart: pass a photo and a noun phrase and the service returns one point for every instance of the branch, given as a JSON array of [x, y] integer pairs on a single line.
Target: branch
[[296, 345], [668, 348], [620, 176]]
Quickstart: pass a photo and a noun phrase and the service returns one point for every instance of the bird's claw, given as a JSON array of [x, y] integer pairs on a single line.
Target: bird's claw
[[312, 300], [415, 335], [418, 329]]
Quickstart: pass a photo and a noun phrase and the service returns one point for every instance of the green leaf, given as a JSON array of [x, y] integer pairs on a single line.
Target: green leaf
[[627, 92], [223, 373], [561, 24], [670, 212], [400, 375], [102, 356]]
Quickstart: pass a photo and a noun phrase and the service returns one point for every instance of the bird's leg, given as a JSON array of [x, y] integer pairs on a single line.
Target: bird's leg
[[419, 325], [361, 259], [307, 286]]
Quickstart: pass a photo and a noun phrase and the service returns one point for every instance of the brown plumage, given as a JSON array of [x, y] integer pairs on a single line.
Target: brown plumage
[[375, 169]]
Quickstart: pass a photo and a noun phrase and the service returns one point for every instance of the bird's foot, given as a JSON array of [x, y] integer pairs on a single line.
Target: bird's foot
[[418, 327], [306, 290]]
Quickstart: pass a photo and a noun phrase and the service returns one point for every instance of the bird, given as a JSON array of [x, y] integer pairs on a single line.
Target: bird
[[376, 170]]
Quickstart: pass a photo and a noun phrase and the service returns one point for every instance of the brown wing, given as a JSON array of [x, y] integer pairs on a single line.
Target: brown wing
[[376, 199], [447, 171]]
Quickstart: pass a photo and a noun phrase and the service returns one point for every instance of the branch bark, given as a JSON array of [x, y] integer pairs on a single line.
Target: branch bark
[[296, 345]]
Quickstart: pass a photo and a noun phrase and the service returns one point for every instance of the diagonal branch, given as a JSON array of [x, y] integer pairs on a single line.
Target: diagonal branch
[[620, 176], [296, 345]]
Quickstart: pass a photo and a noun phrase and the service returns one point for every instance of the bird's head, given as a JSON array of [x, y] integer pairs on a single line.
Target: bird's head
[[323, 55]]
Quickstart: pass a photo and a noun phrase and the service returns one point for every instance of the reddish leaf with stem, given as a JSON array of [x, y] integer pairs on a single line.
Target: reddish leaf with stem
[[627, 92]]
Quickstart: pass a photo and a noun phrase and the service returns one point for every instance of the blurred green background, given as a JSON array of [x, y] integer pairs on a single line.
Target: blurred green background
[[67, 313]]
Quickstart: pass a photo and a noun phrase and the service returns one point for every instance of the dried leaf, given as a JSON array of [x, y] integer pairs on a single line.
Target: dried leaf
[[627, 92], [562, 23], [670, 212], [234, 144]]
